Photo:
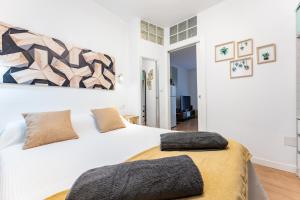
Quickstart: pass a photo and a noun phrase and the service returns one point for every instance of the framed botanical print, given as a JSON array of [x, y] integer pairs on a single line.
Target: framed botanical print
[[266, 54], [245, 48], [241, 68], [225, 51]]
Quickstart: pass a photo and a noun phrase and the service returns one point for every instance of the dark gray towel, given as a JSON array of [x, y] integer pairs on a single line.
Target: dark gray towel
[[192, 141], [166, 178]]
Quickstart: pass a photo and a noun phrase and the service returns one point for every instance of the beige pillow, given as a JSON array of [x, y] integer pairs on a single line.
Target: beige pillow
[[108, 119], [48, 127]]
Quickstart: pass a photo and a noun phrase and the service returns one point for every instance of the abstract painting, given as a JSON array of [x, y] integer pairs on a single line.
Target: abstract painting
[[266, 54], [245, 48], [241, 68], [34, 59], [225, 52]]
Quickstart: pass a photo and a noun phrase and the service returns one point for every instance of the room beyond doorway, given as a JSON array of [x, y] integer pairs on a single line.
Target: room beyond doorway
[[183, 89]]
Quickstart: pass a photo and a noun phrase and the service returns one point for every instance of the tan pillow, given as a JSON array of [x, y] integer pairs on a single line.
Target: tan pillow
[[48, 127], [108, 119]]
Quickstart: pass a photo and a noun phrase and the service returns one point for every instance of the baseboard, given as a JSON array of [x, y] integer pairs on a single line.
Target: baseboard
[[275, 165]]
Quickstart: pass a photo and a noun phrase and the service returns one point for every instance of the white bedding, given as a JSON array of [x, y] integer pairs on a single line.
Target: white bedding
[[37, 173]]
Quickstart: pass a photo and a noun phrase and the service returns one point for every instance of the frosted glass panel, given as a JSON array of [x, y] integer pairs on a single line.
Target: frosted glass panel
[[192, 32], [152, 32], [160, 40], [144, 35], [183, 30], [152, 29], [160, 31], [173, 30], [144, 26], [182, 26], [182, 36], [192, 22], [173, 39]]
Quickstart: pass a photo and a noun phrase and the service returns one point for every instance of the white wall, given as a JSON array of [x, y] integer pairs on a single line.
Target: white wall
[[139, 49], [182, 87], [81, 23], [259, 111]]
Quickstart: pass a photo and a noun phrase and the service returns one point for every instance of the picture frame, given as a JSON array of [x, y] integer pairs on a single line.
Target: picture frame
[[245, 48], [224, 52], [241, 68], [266, 54]]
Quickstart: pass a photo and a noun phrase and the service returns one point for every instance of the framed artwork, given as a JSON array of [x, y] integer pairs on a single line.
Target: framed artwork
[[33, 59], [225, 51], [241, 68], [266, 54], [245, 48]]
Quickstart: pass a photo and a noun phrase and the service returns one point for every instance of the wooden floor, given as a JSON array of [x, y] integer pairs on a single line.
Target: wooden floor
[[279, 185], [189, 125]]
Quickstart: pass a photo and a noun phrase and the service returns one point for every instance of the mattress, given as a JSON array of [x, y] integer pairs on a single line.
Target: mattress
[[37, 173]]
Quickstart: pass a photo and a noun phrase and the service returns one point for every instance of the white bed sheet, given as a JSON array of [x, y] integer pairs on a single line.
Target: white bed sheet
[[37, 173]]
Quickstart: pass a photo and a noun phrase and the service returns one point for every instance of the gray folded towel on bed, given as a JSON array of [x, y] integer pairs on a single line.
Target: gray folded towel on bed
[[192, 141], [166, 178]]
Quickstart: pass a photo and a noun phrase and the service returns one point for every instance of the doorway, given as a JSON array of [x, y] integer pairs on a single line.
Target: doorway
[[183, 89], [149, 93]]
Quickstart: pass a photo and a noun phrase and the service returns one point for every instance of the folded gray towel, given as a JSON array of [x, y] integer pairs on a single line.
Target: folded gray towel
[[192, 141], [166, 178]]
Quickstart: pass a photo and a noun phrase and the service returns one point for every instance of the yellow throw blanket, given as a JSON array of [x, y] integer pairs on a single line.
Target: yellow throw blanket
[[224, 173]]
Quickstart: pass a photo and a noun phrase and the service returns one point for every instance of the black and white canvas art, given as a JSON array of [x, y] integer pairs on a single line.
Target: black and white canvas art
[[34, 59]]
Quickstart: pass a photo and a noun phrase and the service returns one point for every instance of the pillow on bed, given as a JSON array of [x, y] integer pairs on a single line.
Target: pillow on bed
[[108, 119], [84, 124], [48, 127], [13, 133]]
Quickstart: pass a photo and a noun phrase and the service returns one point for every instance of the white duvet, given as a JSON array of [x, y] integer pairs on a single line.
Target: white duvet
[[37, 173]]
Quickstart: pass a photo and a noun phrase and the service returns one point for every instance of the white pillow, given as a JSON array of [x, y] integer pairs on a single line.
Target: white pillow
[[12, 134], [84, 124]]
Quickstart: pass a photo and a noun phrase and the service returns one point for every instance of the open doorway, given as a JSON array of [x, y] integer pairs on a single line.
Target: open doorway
[[183, 89], [149, 93]]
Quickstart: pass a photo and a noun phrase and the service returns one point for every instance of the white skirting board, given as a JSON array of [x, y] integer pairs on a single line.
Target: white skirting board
[[275, 165]]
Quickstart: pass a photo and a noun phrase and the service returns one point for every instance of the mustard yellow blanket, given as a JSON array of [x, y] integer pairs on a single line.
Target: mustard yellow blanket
[[224, 173]]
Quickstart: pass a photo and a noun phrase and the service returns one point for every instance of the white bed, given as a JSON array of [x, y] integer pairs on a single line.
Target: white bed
[[37, 173]]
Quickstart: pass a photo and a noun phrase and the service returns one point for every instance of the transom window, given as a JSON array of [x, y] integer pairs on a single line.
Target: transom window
[[183, 30], [152, 33]]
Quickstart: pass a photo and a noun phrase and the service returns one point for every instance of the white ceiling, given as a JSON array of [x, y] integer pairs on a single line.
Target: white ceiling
[[184, 58], [160, 12]]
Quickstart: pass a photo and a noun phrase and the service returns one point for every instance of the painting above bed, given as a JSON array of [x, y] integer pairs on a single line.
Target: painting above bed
[[34, 59]]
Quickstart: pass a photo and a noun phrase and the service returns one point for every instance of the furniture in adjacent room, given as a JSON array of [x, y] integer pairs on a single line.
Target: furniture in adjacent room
[[186, 115], [185, 110], [132, 118]]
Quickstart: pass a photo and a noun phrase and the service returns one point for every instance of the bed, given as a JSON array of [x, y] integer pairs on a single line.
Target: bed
[[38, 173]]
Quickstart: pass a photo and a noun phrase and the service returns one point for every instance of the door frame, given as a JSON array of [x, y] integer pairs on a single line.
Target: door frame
[[157, 100], [201, 83]]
